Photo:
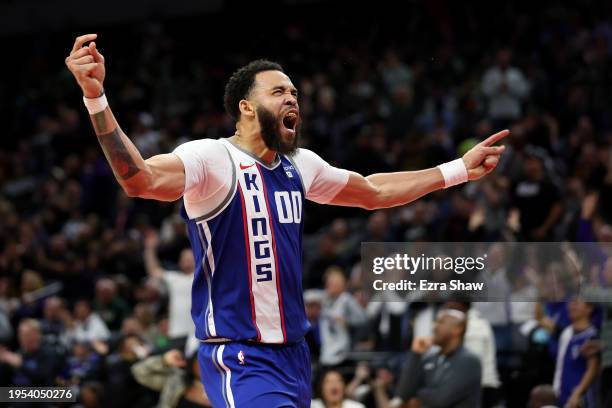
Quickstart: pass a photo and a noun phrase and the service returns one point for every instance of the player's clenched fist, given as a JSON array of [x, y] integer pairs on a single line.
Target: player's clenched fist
[[87, 65]]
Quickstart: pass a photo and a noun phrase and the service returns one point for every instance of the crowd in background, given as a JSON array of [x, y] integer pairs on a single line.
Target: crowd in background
[[93, 283]]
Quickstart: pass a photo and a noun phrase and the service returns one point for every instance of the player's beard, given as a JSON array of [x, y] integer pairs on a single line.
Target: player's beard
[[271, 133]]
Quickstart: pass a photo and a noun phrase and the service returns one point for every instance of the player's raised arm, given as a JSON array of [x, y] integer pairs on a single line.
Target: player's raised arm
[[160, 177], [385, 190]]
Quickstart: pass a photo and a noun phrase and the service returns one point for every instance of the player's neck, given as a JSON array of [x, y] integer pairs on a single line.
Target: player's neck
[[253, 143]]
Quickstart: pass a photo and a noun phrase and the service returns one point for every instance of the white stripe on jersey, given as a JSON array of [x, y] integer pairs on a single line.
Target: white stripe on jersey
[[210, 321], [228, 377], [263, 263]]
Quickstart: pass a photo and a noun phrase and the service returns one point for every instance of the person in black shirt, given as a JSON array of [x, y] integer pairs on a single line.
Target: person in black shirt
[[537, 200]]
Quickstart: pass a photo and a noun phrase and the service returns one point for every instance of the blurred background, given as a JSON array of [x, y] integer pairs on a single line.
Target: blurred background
[[93, 283]]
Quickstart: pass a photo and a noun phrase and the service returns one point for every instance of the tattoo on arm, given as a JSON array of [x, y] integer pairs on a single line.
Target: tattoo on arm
[[114, 147]]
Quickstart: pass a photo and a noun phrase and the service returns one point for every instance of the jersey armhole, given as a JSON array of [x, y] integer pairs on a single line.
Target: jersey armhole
[[230, 194]]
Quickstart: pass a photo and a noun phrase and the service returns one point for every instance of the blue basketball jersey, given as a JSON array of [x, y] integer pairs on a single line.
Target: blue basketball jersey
[[573, 365], [248, 252]]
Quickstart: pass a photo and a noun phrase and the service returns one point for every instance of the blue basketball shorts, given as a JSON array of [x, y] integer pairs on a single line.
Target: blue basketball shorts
[[242, 374]]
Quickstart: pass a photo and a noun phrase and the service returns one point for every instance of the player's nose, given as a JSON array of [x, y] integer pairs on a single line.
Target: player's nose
[[291, 100]]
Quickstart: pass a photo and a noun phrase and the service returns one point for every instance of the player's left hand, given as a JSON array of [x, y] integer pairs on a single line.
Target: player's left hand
[[483, 158]]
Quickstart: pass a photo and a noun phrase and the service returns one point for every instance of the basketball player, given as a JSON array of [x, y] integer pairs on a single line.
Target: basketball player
[[243, 200]]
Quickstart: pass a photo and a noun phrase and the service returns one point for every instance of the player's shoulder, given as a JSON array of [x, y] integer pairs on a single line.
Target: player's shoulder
[[306, 157], [203, 148], [303, 152], [202, 144]]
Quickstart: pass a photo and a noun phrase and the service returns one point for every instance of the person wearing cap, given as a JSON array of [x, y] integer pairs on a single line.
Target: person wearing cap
[[440, 371]]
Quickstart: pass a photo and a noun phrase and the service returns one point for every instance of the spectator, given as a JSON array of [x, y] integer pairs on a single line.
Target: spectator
[[91, 395], [83, 365], [6, 330], [143, 314], [30, 305], [604, 294], [333, 393], [54, 317], [505, 87], [537, 200], [479, 340], [574, 373], [445, 376], [371, 391], [387, 315], [542, 396], [178, 284], [87, 325], [312, 303], [122, 389], [340, 312], [109, 306], [35, 365], [497, 311], [177, 379]]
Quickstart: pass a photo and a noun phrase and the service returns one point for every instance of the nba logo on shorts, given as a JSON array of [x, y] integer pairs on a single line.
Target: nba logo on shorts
[[241, 357]]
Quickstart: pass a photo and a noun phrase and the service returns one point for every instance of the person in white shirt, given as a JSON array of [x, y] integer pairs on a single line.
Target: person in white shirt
[[505, 87], [340, 311], [87, 326], [178, 284]]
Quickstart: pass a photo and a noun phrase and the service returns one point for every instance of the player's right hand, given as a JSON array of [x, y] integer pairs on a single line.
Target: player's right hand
[[87, 65]]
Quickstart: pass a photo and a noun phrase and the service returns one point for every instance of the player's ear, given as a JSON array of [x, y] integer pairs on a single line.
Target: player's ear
[[246, 108]]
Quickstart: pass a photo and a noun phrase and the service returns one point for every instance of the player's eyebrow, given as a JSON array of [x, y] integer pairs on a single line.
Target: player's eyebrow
[[283, 88]]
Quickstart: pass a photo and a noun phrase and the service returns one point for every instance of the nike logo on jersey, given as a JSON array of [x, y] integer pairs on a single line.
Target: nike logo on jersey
[[243, 167]]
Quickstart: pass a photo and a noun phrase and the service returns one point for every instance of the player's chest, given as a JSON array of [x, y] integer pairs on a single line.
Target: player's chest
[[271, 194]]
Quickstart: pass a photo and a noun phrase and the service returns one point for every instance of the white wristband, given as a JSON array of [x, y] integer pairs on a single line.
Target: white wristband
[[95, 105], [454, 172]]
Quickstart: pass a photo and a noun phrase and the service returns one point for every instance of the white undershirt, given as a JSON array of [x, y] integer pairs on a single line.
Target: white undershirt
[[208, 175]]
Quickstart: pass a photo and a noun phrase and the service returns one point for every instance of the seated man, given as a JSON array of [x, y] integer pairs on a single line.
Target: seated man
[[445, 375], [35, 364]]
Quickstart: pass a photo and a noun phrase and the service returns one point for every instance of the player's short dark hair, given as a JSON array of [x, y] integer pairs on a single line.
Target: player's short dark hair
[[241, 83]]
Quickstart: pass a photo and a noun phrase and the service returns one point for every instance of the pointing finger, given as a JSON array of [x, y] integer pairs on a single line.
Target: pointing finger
[[80, 40], [495, 138], [493, 150]]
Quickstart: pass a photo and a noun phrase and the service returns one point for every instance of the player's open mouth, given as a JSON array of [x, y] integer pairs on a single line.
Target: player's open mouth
[[290, 120]]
